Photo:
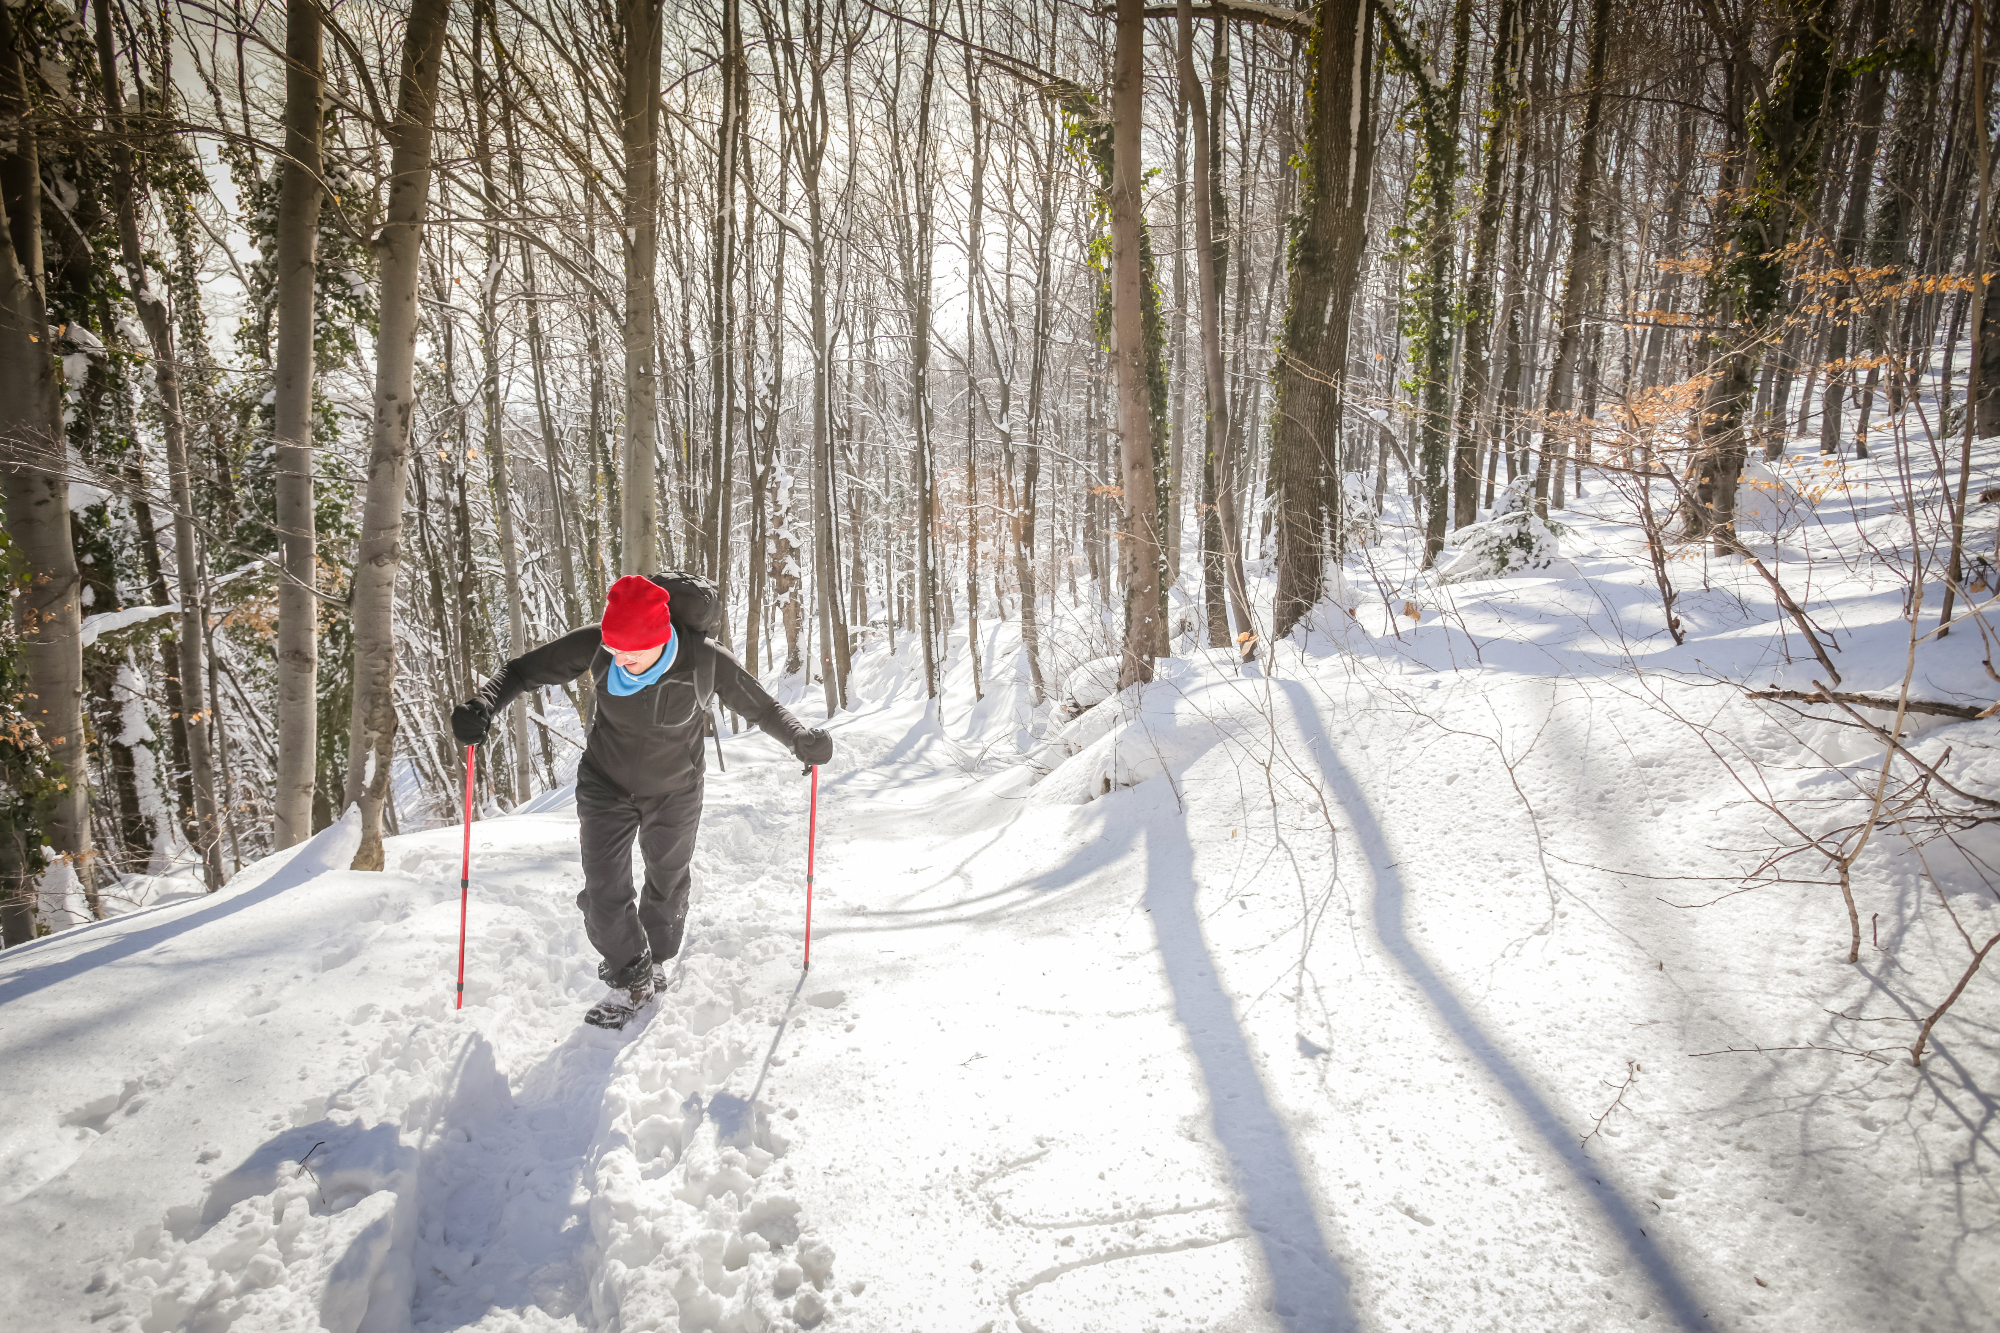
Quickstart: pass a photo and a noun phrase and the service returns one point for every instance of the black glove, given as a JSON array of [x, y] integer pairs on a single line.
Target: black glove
[[813, 747], [470, 721]]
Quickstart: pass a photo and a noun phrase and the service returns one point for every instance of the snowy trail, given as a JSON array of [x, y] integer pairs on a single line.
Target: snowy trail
[[501, 1168], [1257, 1004]]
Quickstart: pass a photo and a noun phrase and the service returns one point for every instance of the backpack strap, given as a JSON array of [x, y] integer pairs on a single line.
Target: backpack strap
[[704, 669], [600, 671]]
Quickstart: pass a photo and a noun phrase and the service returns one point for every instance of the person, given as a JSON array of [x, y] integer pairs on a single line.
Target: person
[[642, 770]]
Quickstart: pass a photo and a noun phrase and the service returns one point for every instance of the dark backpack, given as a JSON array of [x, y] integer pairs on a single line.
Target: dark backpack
[[694, 602]]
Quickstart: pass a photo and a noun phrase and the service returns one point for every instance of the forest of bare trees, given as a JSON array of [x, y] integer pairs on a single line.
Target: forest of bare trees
[[348, 351]]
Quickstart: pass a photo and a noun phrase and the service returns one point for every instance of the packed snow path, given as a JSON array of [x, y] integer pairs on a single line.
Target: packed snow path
[[1303, 1031]]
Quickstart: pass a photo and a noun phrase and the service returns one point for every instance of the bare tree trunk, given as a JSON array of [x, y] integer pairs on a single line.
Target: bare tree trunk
[[974, 263], [722, 291], [298, 602], [1145, 627], [1665, 302], [1178, 376], [639, 517], [559, 489], [917, 297], [372, 745], [187, 661], [33, 454], [1982, 374], [1325, 274], [769, 404], [1031, 466], [603, 546], [1747, 283], [742, 340], [832, 632], [519, 752], [785, 580], [1219, 468], [1847, 241], [1582, 254], [1478, 354], [1431, 326]]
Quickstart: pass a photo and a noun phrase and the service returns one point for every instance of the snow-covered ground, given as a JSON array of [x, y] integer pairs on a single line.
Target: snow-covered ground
[[1388, 983]]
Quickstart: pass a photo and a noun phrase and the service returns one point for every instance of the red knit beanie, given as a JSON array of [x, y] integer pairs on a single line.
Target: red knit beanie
[[636, 616]]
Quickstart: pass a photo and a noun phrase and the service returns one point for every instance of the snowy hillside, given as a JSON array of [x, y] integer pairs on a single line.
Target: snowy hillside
[[1405, 980]]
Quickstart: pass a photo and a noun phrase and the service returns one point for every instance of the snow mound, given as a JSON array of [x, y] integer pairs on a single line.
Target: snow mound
[[1769, 500], [1091, 683], [332, 848], [1144, 732], [1514, 541]]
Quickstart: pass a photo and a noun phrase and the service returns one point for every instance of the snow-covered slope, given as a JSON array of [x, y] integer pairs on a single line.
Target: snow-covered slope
[[1374, 986]]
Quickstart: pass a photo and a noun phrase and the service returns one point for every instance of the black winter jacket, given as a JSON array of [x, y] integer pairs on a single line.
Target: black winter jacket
[[648, 743]]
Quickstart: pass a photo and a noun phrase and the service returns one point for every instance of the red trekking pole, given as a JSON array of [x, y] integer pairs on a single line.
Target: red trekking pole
[[464, 879], [812, 835]]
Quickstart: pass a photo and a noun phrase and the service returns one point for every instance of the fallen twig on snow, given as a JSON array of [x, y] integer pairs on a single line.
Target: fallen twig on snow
[[1965, 712], [1632, 1072], [1874, 1054], [314, 1174]]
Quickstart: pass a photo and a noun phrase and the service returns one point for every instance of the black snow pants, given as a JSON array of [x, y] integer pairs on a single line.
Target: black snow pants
[[619, 928]]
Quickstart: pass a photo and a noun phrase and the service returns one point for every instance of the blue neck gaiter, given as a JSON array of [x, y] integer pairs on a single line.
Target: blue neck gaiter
[[622, 682]]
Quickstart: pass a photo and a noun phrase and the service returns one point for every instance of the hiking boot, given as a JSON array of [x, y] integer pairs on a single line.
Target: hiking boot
[[630, 990]]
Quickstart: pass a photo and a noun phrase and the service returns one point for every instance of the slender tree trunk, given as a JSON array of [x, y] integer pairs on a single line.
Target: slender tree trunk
[[1432, 360], [1666, 301], [1983, 373], [722, 290], [1031, 465], [917, 281], [1582, 254], [639, 516], [604, 542], [1219, 455], [1478, 355], [1145, 627], [770, 389], [371, 748], [974, 264], [1847, 240], [1509, 431], [1747, 283], [493, 409], [298, 602], [559, 488], [186, 663], [181, 772], [129, 849], [820, 495], [48, 615], [1910, 155]]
